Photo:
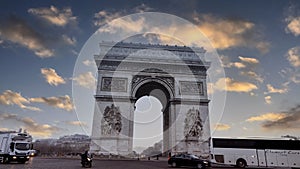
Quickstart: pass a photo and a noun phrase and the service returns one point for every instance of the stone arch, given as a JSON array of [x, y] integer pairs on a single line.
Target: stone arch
[[180, 76]]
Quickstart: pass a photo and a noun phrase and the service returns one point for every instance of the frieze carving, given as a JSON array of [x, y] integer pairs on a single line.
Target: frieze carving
[[113, 84], [191, 88], [139, 78], [111, 123], [193, 124]]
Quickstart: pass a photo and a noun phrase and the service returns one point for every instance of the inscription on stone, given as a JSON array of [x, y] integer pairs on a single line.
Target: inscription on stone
[[191, 88], [114, 84]]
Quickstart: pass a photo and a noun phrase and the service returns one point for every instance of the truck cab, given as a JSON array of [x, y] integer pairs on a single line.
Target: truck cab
[[15, 147]]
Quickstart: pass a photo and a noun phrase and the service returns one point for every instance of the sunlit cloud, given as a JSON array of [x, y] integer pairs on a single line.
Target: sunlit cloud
[[293, 25], [89, 63], [249, 60], [127, 25], [227, 33], [222, 127], [103, 17], [52, 77], [252, 75], [18, 31], [293, 56], [228, 84], [54, 15], [271, 89], [268, 99], [76, 123], [62, 102], [86, 80], [34, 128], [9, 97], [267, 117], [285, 120]]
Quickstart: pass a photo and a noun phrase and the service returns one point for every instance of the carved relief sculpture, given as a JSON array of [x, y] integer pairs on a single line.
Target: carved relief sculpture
[[111, 123], [193, 124]]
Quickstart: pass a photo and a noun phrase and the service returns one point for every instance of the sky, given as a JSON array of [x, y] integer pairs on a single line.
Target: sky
[[43, 63]]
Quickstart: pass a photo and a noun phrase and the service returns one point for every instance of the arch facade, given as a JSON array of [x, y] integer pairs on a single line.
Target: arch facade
[[176, 75]]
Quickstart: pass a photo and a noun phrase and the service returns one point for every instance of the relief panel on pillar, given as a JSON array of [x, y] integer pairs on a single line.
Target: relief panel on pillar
[[193, 125], [111, 123]]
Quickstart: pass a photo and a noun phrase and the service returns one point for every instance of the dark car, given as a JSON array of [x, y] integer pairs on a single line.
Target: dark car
[[187, 160]]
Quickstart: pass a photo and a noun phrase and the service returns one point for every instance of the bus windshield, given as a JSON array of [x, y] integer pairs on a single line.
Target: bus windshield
[[22, 146]]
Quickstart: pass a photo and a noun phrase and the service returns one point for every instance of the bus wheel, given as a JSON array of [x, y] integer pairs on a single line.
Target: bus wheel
[[241, 163]]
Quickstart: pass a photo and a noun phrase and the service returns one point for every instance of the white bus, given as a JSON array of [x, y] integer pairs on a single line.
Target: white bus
[[256, 152]]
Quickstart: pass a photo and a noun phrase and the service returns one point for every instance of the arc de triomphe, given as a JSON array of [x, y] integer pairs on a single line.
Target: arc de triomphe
[[175, 75]]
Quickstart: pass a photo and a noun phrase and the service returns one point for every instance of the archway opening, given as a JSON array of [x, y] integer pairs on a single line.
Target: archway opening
[[151, 119], [148, 125]]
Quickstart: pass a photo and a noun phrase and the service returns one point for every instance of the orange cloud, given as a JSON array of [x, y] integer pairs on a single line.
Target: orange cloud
[[228, 84], [52, 77], [9, 97], [267, 117], [222, 127]]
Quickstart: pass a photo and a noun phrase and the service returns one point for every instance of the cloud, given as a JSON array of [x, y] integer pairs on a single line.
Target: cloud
[[267, 117], [89, 62], [76, 123], [103, 17], [228, 64], [86, 80], [293, 56], [293, 25], [69, 40], [252, 75], [271, 89], [9, 97], [127, 25], [52, 77], [286, 120], [244, 63], [18, 31], [228, 84], [34, 128], [249, 60], [268, 99], [227, 33], [62, 102], [292, 75], [142, 8], [54, 15], [222, 127]]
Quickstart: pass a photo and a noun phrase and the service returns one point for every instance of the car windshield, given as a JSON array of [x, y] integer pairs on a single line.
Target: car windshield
[[22, 146]]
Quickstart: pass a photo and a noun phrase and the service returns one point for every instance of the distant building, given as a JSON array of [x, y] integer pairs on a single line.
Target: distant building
[[65, 145]]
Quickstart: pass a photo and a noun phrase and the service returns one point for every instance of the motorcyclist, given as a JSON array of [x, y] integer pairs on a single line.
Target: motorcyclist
[[84, 157]]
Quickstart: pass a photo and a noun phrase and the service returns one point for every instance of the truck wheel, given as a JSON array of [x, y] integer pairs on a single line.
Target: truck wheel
[[241, 163]]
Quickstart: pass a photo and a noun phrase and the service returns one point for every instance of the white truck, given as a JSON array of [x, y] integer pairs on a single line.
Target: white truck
[[15, 146]]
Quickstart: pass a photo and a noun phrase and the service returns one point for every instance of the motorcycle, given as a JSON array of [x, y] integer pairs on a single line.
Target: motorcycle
[[86, 162]]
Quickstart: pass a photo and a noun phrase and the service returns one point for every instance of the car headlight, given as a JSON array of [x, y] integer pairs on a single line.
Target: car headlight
[[205, 162], [28, 157], [14, 157], [88, 159]]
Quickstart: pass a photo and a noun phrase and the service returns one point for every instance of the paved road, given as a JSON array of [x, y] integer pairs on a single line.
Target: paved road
[[56, 163]]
